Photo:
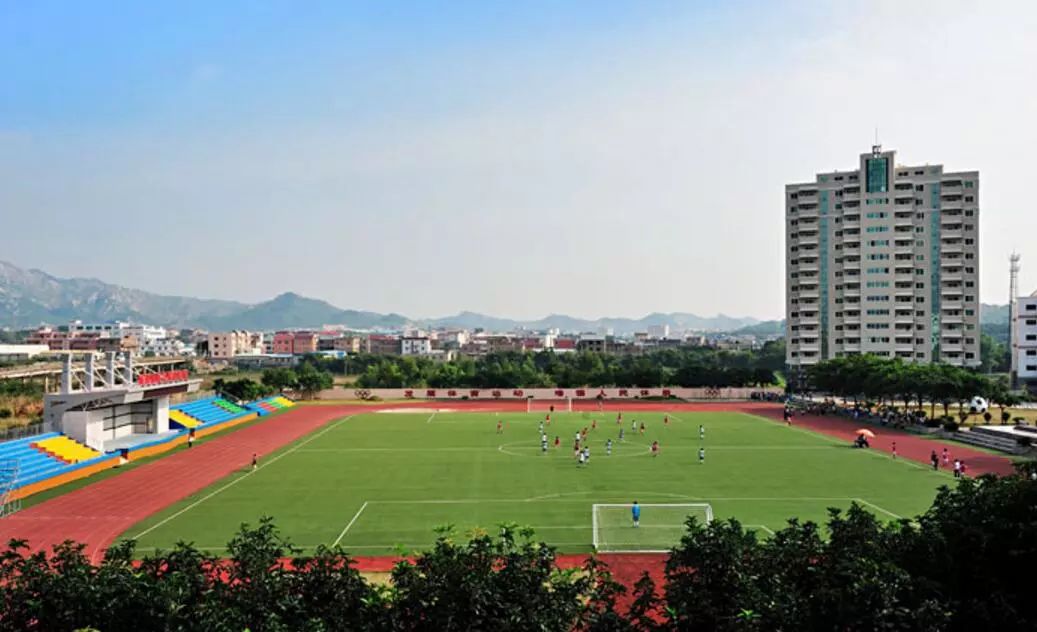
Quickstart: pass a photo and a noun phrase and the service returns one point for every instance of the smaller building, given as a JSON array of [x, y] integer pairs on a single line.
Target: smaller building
[[21, 353], [380, 344], [229, 344], [1024, 358], [415, 345]]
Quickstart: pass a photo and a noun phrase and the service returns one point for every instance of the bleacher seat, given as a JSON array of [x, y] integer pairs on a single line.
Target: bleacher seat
[[270, 404], [205, 412], [36, 463]]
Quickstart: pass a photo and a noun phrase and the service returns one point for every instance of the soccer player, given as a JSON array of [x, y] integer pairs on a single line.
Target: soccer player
[[702, 432], [594, 424], [620, 434], [586, 454], [579, 435], [540, 429], [500, 427], [558, 441], [543, 444], [666, 420], [635, 513], [642, 427], [608, 448], [894, 449], [946, 457], [619, 418], [702, 456], [581, 459], [255, 461], [633, 425], [935, 460], [655, 448], [547, 419]]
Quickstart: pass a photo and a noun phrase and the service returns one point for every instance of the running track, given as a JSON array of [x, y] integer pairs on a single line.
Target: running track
[[97, 514]]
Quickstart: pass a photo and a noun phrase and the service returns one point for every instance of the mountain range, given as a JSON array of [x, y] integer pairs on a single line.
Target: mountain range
[[29, 298]]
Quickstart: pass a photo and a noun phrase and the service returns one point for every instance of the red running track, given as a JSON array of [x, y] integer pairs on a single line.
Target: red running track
[[910, 446], [96, 514]]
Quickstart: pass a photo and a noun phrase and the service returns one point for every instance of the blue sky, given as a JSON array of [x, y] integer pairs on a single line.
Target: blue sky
[[605, 158]]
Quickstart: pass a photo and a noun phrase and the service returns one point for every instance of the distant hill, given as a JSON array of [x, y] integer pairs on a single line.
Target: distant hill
[[993, 314], [31, 297], [766, 328], [676, 321]]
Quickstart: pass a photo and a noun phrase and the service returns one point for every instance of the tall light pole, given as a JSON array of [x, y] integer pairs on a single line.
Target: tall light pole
[[1013, 292]]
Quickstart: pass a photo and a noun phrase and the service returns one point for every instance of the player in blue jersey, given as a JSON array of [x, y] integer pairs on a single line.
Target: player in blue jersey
[[635, 513]]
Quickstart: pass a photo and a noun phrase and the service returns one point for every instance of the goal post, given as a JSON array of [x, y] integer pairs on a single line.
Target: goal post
[[659, 529], [561, 405]]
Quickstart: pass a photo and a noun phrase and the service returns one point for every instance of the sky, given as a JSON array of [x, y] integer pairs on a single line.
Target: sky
[[518, 159]]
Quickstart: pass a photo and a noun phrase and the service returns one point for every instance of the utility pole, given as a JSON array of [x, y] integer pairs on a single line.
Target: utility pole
[[1013, 293]]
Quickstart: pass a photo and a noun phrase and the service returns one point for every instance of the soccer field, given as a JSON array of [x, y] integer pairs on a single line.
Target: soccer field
[[375, 482]]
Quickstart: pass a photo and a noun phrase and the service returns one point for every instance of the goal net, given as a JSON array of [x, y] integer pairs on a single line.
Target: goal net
[[560, 405], [659, 529]]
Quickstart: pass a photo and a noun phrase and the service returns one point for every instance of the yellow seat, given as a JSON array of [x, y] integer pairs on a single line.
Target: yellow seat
[[183, 418], [68, 449]]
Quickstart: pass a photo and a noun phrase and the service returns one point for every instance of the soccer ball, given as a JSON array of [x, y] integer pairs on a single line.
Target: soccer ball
[[977, 405]]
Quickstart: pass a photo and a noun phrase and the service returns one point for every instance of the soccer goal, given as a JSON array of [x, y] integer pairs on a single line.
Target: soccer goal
[[659, 529], [560, 405]]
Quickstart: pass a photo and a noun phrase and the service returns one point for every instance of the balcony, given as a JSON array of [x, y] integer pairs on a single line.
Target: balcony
[[951, 234], [951, 305], [951, 248]]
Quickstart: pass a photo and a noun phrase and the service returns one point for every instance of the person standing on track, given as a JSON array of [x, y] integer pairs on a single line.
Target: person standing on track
[[190, 438], [894, 449], [935, 460], [255, 461]]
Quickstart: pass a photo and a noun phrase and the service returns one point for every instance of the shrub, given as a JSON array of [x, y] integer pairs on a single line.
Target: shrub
[[1005, 416], [932, 423], [951, 426], [1020, 420], [5, 413], [987, 416]]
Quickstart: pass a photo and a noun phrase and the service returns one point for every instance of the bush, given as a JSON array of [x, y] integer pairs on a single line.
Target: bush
[[951, 426], [987, 416], [5, 413], [1005, 416], [1020, 420], [1024, 441], [932, 423]]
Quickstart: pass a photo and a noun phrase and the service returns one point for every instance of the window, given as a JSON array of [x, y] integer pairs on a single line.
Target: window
[[877, 175], [877, 229], [1032, 307]]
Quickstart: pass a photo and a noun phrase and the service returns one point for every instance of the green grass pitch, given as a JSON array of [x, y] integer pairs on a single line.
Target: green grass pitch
[[376, 482]]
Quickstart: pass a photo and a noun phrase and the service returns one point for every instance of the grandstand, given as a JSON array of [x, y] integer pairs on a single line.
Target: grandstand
[[270, 405]]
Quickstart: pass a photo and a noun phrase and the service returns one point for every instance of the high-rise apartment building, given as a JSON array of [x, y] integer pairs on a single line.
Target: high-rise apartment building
[[883, 259]]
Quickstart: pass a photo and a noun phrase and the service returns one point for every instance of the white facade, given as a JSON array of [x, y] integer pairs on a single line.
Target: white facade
[[225, 345], [659, 332], [415, 345], [166, 347], [17, 353], [883, 259], [119, 329], [1025, 351]]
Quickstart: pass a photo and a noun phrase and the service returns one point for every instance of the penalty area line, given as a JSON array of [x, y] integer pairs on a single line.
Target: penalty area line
[[355, 516], [876, 507], [429, 420]]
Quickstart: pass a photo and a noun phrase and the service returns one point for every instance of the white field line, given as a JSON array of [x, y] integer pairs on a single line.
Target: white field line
[[357, 515], [430, 417], [469, 501], [266, 463], [762, 527], [877, 508]]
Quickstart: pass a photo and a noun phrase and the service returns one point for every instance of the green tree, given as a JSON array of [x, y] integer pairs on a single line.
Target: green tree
[[279, 379]]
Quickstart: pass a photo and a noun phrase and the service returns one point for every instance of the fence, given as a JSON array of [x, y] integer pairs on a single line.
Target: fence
[[18, 432], [585, 393]]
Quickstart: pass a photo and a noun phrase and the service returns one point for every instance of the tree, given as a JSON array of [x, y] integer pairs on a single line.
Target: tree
[[310, 380], [279, 379]]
